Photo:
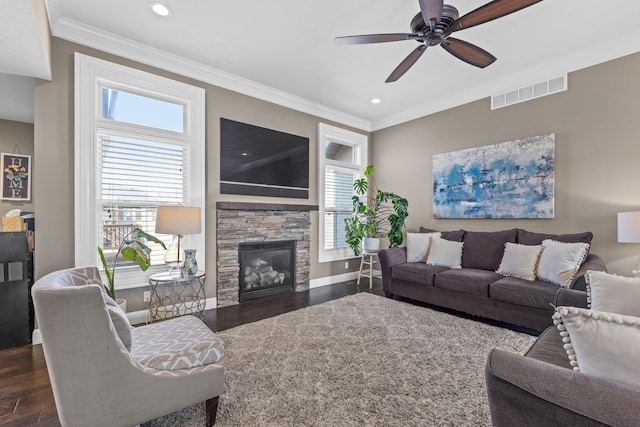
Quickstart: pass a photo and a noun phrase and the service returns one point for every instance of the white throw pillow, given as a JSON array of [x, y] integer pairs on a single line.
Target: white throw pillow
[[613, 293], [418, 246], [445, 253], [601, 344], [520, 261], [559, 261]]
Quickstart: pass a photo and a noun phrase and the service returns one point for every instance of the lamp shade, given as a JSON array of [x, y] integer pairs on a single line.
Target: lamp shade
[[629, 227], [178, 220]]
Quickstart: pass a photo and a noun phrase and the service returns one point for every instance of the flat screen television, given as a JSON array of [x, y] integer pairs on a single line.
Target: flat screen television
[[262, 162]]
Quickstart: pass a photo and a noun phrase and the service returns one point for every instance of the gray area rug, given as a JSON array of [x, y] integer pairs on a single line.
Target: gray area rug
[[359, 360]]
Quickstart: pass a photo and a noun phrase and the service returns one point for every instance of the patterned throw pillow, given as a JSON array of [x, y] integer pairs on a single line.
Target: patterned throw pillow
[[445, 253], [520, 261], [418, 246], [601, 344], [559, 262]]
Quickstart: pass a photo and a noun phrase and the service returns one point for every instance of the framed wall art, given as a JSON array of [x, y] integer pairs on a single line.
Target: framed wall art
[[16, 177], [512, 179]]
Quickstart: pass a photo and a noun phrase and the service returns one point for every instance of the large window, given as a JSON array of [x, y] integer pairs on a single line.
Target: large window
[[139, 145], [342, 156]]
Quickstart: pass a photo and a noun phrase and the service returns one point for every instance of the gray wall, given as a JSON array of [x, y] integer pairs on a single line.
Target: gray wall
[[54, 134], [597, 173], [20, 134]]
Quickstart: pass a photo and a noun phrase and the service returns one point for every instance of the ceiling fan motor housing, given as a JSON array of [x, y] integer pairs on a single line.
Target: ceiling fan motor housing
[[433, 38]]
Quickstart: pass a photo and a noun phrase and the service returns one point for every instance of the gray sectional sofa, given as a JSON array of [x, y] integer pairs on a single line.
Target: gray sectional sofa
[[477, 289], [541, 389]]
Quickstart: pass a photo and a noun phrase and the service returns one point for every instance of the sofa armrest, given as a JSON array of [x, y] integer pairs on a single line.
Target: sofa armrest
[[593, 262], [571, 298], [388, 258], [526, 391]]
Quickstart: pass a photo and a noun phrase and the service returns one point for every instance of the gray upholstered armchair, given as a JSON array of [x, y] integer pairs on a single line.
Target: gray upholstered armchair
[[105, 373]]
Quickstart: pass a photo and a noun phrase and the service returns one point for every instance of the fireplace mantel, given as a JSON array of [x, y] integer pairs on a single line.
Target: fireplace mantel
[[243, 206]]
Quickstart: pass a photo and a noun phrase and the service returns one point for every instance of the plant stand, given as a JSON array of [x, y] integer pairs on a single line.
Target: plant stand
[[369, 258]]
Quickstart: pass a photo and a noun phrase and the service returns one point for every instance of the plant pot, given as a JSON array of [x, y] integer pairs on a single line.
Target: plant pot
[[122, 303], [370, 244]]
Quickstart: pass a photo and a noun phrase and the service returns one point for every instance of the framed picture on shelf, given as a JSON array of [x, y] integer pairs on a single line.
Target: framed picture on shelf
[[16, 177]]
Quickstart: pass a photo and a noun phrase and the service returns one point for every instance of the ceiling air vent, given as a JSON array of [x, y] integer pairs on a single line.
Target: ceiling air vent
[[526, 93]]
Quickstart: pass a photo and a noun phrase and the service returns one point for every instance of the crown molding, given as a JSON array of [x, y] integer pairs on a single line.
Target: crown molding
[[89, 36], [593, 55]]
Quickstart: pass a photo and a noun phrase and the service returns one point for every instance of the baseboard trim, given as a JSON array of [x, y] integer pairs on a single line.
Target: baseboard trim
[[332, 280]]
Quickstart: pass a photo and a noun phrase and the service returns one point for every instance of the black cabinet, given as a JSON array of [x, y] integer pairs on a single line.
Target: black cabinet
[[16, 279]]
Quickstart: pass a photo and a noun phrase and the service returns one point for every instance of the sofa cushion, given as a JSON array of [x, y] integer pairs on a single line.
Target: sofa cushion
[[601, 344], [520, 260], [527, 293], [613, 293], [529, 238], [484, 250], [418, 246], [180, 343], [416, 272], [467, 280], [454, 236], [560, 262], [445, 253]]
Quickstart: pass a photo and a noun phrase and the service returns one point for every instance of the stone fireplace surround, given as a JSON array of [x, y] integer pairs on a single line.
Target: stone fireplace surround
[[239, 222]]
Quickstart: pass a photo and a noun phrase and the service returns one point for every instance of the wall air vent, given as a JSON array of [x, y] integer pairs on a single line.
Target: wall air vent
[[548, 87]]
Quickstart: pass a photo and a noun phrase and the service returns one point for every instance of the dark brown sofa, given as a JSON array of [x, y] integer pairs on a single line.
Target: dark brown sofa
[[477, 289], [541, 389]]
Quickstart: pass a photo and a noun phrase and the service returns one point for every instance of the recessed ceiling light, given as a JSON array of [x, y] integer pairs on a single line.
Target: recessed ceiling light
[[376, 101], [159, 9]]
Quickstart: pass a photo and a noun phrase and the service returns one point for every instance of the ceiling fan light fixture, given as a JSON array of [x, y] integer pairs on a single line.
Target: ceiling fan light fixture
[[159, 8]]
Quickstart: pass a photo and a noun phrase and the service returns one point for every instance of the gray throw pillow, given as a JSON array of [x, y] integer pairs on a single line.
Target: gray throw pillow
[[119, 320]]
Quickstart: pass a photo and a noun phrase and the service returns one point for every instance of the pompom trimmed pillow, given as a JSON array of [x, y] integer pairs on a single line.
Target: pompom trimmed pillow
[[559, 262], [601, 344], [520, 261], [613, 293], [418, 246], [445, 253]]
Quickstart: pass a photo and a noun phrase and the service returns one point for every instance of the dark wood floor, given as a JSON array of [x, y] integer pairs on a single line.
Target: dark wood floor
[[26, 397]]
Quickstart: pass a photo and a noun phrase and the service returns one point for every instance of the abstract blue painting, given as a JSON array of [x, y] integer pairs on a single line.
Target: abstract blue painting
[[513, 179]]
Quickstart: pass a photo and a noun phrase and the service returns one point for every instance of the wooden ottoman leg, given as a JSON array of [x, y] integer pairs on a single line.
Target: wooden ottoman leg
[[212, 410]]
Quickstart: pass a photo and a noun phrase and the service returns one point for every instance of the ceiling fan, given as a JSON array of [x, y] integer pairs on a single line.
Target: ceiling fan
[[433, 26]]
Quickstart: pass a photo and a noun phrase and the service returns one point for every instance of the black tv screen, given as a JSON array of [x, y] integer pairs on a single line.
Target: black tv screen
[[262, 162]]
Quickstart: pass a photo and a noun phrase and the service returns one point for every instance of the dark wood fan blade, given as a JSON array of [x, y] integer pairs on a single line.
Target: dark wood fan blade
[[468, 52], [375, 38], [490, 11], [431, 10], [406, 64]]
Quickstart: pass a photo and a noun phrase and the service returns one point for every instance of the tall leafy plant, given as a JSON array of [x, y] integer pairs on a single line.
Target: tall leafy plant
[[134, 248], [375, 213]]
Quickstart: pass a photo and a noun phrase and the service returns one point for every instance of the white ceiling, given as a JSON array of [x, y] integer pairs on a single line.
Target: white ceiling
[[283, 50]]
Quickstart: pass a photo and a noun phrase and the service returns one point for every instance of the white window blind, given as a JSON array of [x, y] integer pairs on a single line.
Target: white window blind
[[338, 193]]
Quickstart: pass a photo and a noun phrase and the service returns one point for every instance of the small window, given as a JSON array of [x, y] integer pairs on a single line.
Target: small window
[[140, 110], [342, 156]]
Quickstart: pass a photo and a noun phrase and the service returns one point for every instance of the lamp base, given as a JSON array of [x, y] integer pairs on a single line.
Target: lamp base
[[172, 258]]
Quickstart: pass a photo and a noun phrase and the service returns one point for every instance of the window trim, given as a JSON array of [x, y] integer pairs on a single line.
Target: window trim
[[360, 144], [91, 75]]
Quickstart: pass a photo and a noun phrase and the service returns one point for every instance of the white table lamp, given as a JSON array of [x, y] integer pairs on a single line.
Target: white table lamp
[[629, 232], [179, 221]]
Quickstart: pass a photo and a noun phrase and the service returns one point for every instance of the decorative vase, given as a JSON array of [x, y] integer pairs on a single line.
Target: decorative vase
[[190, 266]]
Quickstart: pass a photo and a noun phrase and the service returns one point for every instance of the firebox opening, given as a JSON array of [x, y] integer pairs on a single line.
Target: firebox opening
[[266, 268]]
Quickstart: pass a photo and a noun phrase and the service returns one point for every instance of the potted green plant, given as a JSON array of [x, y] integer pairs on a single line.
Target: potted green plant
[[133, 248], [375, 214]]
